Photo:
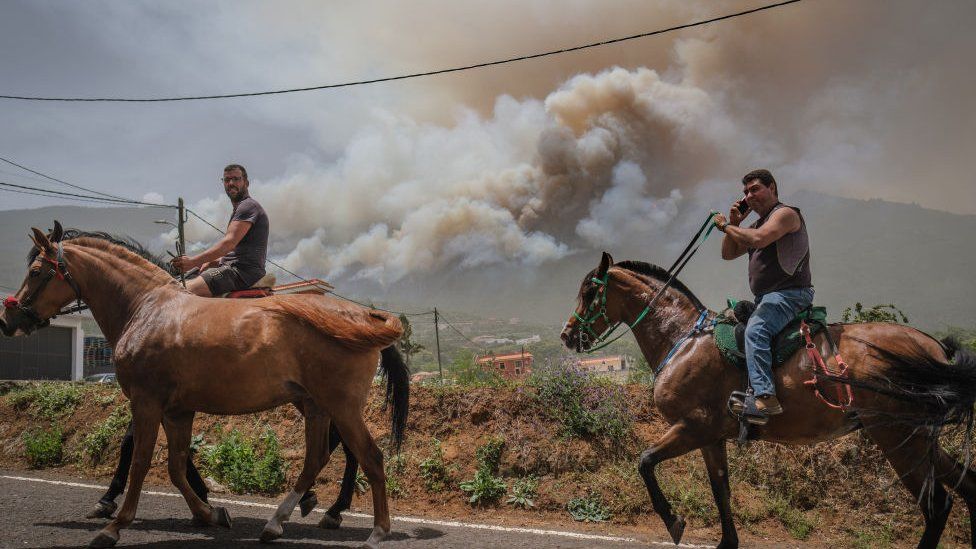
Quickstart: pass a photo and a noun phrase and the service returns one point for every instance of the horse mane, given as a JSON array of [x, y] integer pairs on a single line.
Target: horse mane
[[123, 241], [658, 273], [356, 328]]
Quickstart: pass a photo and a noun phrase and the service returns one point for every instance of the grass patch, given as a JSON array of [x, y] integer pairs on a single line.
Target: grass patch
[[43, 447], [246, 465], [524, 492], [795, 521], [46, 400], [433, 471], [94, 445]]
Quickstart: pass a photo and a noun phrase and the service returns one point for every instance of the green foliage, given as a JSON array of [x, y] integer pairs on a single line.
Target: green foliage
[[246, 465], [466, 371], [489, 454], [361, 484], [588, 509], [524, 492], [584, 405], [967, 338], [395, 465], [43, 447], [46, 400], [94, 445], [433, 471], [792, 518], [484, 488], [878, 313]]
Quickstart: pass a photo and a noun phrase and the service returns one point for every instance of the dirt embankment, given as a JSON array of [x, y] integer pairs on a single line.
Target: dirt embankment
[[833, 494]]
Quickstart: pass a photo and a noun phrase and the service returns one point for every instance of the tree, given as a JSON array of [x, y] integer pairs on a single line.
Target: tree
[[406, 345], [878, 313]]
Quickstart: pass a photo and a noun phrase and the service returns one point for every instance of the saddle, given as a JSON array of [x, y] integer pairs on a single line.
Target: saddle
[[729, 333], [261, 288]]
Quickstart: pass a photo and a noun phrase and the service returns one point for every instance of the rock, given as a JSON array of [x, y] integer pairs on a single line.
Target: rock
[[215, 486]]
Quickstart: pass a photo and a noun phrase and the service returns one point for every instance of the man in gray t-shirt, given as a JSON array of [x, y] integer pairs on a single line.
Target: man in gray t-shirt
[[237, 260]]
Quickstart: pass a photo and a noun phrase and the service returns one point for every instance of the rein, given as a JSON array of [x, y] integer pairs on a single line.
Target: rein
[[601, 340], [59, 270]]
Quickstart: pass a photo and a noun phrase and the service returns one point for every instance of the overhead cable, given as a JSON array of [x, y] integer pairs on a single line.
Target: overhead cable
[[404, 76], [45, 176], [51, 192]]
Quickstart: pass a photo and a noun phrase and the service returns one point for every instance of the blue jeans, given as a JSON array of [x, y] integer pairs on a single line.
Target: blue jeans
[[773, 312]]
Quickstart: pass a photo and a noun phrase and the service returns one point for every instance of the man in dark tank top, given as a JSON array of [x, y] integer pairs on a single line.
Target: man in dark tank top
[[779, 275]]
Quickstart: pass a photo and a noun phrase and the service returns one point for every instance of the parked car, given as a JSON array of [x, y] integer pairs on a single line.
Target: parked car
[[101, 378]]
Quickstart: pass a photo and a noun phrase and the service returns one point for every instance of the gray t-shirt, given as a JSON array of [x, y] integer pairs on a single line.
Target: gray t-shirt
[[250, 253]]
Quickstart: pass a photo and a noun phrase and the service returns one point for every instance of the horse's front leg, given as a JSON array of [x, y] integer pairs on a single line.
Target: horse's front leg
[[316, 429], [677, 441]]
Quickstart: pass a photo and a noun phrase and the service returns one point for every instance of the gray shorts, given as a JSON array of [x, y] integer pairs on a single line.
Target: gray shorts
[[223, 279]]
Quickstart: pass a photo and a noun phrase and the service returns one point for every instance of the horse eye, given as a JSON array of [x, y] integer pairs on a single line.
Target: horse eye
[[34, 273]]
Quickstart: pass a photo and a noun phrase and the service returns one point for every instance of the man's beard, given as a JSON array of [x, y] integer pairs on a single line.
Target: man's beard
[[240, 195]]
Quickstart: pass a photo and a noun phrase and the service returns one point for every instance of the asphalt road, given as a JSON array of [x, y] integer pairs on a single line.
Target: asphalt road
[[39, 511]]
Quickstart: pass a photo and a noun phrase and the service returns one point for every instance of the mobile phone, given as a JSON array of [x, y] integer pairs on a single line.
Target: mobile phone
[[743, 207]]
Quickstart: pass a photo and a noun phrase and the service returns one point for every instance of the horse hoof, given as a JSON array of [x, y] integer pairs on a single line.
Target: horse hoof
[[269, 535], [375, 538], [103, 509], [308, 503], [330, 523], [220, 517], [677, 529], [103, 539]]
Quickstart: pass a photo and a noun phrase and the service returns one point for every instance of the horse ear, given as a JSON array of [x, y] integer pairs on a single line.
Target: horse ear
[[40, 240], [58, 232], [605, 262]]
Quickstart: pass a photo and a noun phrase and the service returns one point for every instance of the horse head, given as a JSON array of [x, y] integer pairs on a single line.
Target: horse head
[[597, 309], [46, 289]]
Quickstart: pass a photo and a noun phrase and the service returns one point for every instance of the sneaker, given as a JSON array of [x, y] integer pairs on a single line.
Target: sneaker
[[769, 404]]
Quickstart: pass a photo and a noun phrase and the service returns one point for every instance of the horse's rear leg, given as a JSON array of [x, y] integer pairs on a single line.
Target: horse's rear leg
[[316, 429], [963, 481], [674, 443], [179, 429], [717, 463], [333, 517], [910, 454], [356, 437], [146, 416]]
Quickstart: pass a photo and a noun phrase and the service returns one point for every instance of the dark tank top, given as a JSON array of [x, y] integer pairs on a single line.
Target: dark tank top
[[782, 264]]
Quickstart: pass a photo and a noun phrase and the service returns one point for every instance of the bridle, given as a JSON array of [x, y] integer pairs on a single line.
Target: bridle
[[598, 305], [59, 270]]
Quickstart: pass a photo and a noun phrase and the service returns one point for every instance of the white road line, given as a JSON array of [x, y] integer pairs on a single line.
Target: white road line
[[412, 520]]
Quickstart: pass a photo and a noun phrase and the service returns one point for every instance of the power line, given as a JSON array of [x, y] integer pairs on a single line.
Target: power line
[[87, 197], [406, 76], [65, 198], [303, 279], [45, 176], [459, 332]]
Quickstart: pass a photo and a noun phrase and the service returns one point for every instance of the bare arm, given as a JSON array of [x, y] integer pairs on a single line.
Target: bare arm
[[781, 222], [235, 232]]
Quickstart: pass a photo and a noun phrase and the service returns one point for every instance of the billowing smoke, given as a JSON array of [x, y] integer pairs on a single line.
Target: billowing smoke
[[593, 165], [828, 95]]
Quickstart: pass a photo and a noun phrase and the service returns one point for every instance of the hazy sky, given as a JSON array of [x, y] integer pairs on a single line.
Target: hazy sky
[[519, 164]]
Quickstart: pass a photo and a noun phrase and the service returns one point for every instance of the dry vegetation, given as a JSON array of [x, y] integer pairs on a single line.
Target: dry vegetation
[[837, 494]]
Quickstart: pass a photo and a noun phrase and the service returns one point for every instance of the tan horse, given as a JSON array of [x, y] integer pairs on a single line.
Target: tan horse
[[177, 354], [904, 391]]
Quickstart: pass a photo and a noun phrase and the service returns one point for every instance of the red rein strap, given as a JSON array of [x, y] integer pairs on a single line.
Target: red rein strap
[[843, 389]]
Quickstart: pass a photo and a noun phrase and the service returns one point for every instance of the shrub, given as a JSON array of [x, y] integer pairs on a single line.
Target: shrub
[[97, 441], [878, 313], [489, 454], [583, 405], [588, 509], [43, 447], [46, 400], [433, 471], [466, 371], [484, 488], [246, 465], [524, 492]]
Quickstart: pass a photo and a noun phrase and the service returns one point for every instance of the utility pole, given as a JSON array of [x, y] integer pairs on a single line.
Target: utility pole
[[181, 242], [437, 339]]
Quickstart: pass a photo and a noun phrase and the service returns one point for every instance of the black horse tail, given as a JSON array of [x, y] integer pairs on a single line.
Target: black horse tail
[[397, 376], [943, 392]]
